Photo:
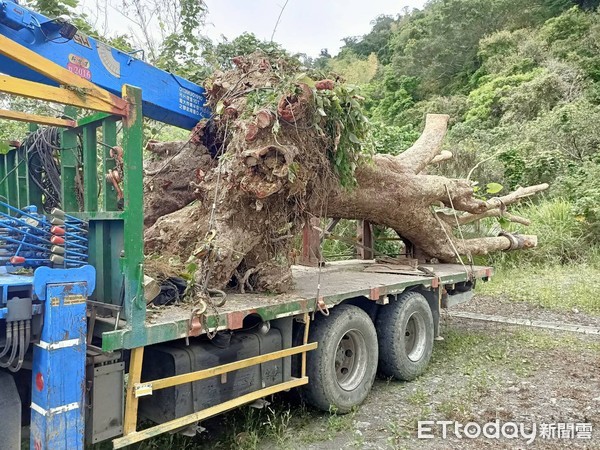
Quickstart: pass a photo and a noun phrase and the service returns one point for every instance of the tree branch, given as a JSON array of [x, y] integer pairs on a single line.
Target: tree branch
[[464, 219], [483, 246], [445, 155], [428, 145], [513, 197], [463, 200], [278, 20]]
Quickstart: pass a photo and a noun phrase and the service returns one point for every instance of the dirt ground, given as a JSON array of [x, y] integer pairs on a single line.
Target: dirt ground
[[479, 372], [482, 372]]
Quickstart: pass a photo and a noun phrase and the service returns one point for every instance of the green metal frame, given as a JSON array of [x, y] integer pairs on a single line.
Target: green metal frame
[[116, 237], [15, 186]]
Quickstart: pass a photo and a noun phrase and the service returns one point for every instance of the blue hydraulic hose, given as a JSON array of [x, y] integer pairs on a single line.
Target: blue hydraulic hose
[[22, 222], [33, 236]]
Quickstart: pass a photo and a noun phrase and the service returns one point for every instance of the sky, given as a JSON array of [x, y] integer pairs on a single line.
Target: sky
[[306, 26]]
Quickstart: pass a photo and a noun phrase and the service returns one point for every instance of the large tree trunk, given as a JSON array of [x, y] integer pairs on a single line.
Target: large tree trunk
[[393, 191], [235, 214]]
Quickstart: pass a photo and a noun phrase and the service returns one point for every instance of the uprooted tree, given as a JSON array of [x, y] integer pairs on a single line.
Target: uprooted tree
[[283, 148]]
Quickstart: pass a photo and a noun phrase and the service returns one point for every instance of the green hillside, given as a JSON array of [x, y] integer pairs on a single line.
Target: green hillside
[[521, 81]]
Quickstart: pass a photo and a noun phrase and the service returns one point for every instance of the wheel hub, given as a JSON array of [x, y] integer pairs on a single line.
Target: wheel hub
[[415, 337], [351, 360]]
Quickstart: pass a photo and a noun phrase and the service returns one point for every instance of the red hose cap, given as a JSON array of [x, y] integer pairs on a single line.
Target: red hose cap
[[57, 231]]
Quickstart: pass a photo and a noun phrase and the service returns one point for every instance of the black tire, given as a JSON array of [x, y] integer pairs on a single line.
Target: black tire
[[341, 371], [10, 405], [405, 330]]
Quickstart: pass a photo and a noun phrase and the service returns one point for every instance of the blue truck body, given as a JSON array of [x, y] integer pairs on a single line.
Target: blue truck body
[[167, 98]]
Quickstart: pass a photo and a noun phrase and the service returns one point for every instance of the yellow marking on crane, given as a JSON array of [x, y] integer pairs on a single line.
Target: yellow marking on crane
[[61, 75], [34, 118], [24, 88]]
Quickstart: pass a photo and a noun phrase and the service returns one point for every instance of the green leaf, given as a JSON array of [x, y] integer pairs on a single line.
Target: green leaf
[[276, 127], [191, 268], [304, 78], [494, 188], [293, 170], [4, 147], [220, 107], [353, 138], [503, 221]]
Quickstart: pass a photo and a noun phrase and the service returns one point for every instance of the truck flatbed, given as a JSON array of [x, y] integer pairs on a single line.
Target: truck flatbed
[[339, 281]]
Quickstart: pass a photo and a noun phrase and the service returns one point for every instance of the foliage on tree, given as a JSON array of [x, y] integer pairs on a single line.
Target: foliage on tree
[[375, 42], [354, 69]]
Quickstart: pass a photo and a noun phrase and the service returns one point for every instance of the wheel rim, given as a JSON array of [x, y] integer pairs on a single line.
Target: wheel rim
[[351, 360], [415, 337]]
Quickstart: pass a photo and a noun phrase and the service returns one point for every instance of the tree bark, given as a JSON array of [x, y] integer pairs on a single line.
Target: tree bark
[[229, 216]]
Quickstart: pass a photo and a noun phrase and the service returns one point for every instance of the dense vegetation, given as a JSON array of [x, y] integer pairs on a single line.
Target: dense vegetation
[[521, 80]]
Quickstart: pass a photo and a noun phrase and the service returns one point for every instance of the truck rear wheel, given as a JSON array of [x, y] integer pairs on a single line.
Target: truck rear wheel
[[405, 330], [342, 369]]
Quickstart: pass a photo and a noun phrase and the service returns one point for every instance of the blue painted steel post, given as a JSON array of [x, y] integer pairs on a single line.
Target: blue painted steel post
[[58, 377]]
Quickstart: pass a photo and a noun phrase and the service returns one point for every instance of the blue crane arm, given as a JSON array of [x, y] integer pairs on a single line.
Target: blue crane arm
[[166, 97]]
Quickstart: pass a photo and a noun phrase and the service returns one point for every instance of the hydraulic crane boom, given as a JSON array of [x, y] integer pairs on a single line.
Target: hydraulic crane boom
[[166, 97]]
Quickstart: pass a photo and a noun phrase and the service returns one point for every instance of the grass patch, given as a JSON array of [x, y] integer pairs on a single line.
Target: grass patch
[[419, 397], [242, 429], [467, 352], [339, 422], [162, 442], [547, 340], [554, 287]]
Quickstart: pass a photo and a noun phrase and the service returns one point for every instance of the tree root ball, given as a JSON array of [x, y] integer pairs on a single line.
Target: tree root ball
[[227, 205]]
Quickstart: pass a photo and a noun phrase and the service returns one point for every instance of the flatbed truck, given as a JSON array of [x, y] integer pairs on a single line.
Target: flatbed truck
[[99, 363]]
